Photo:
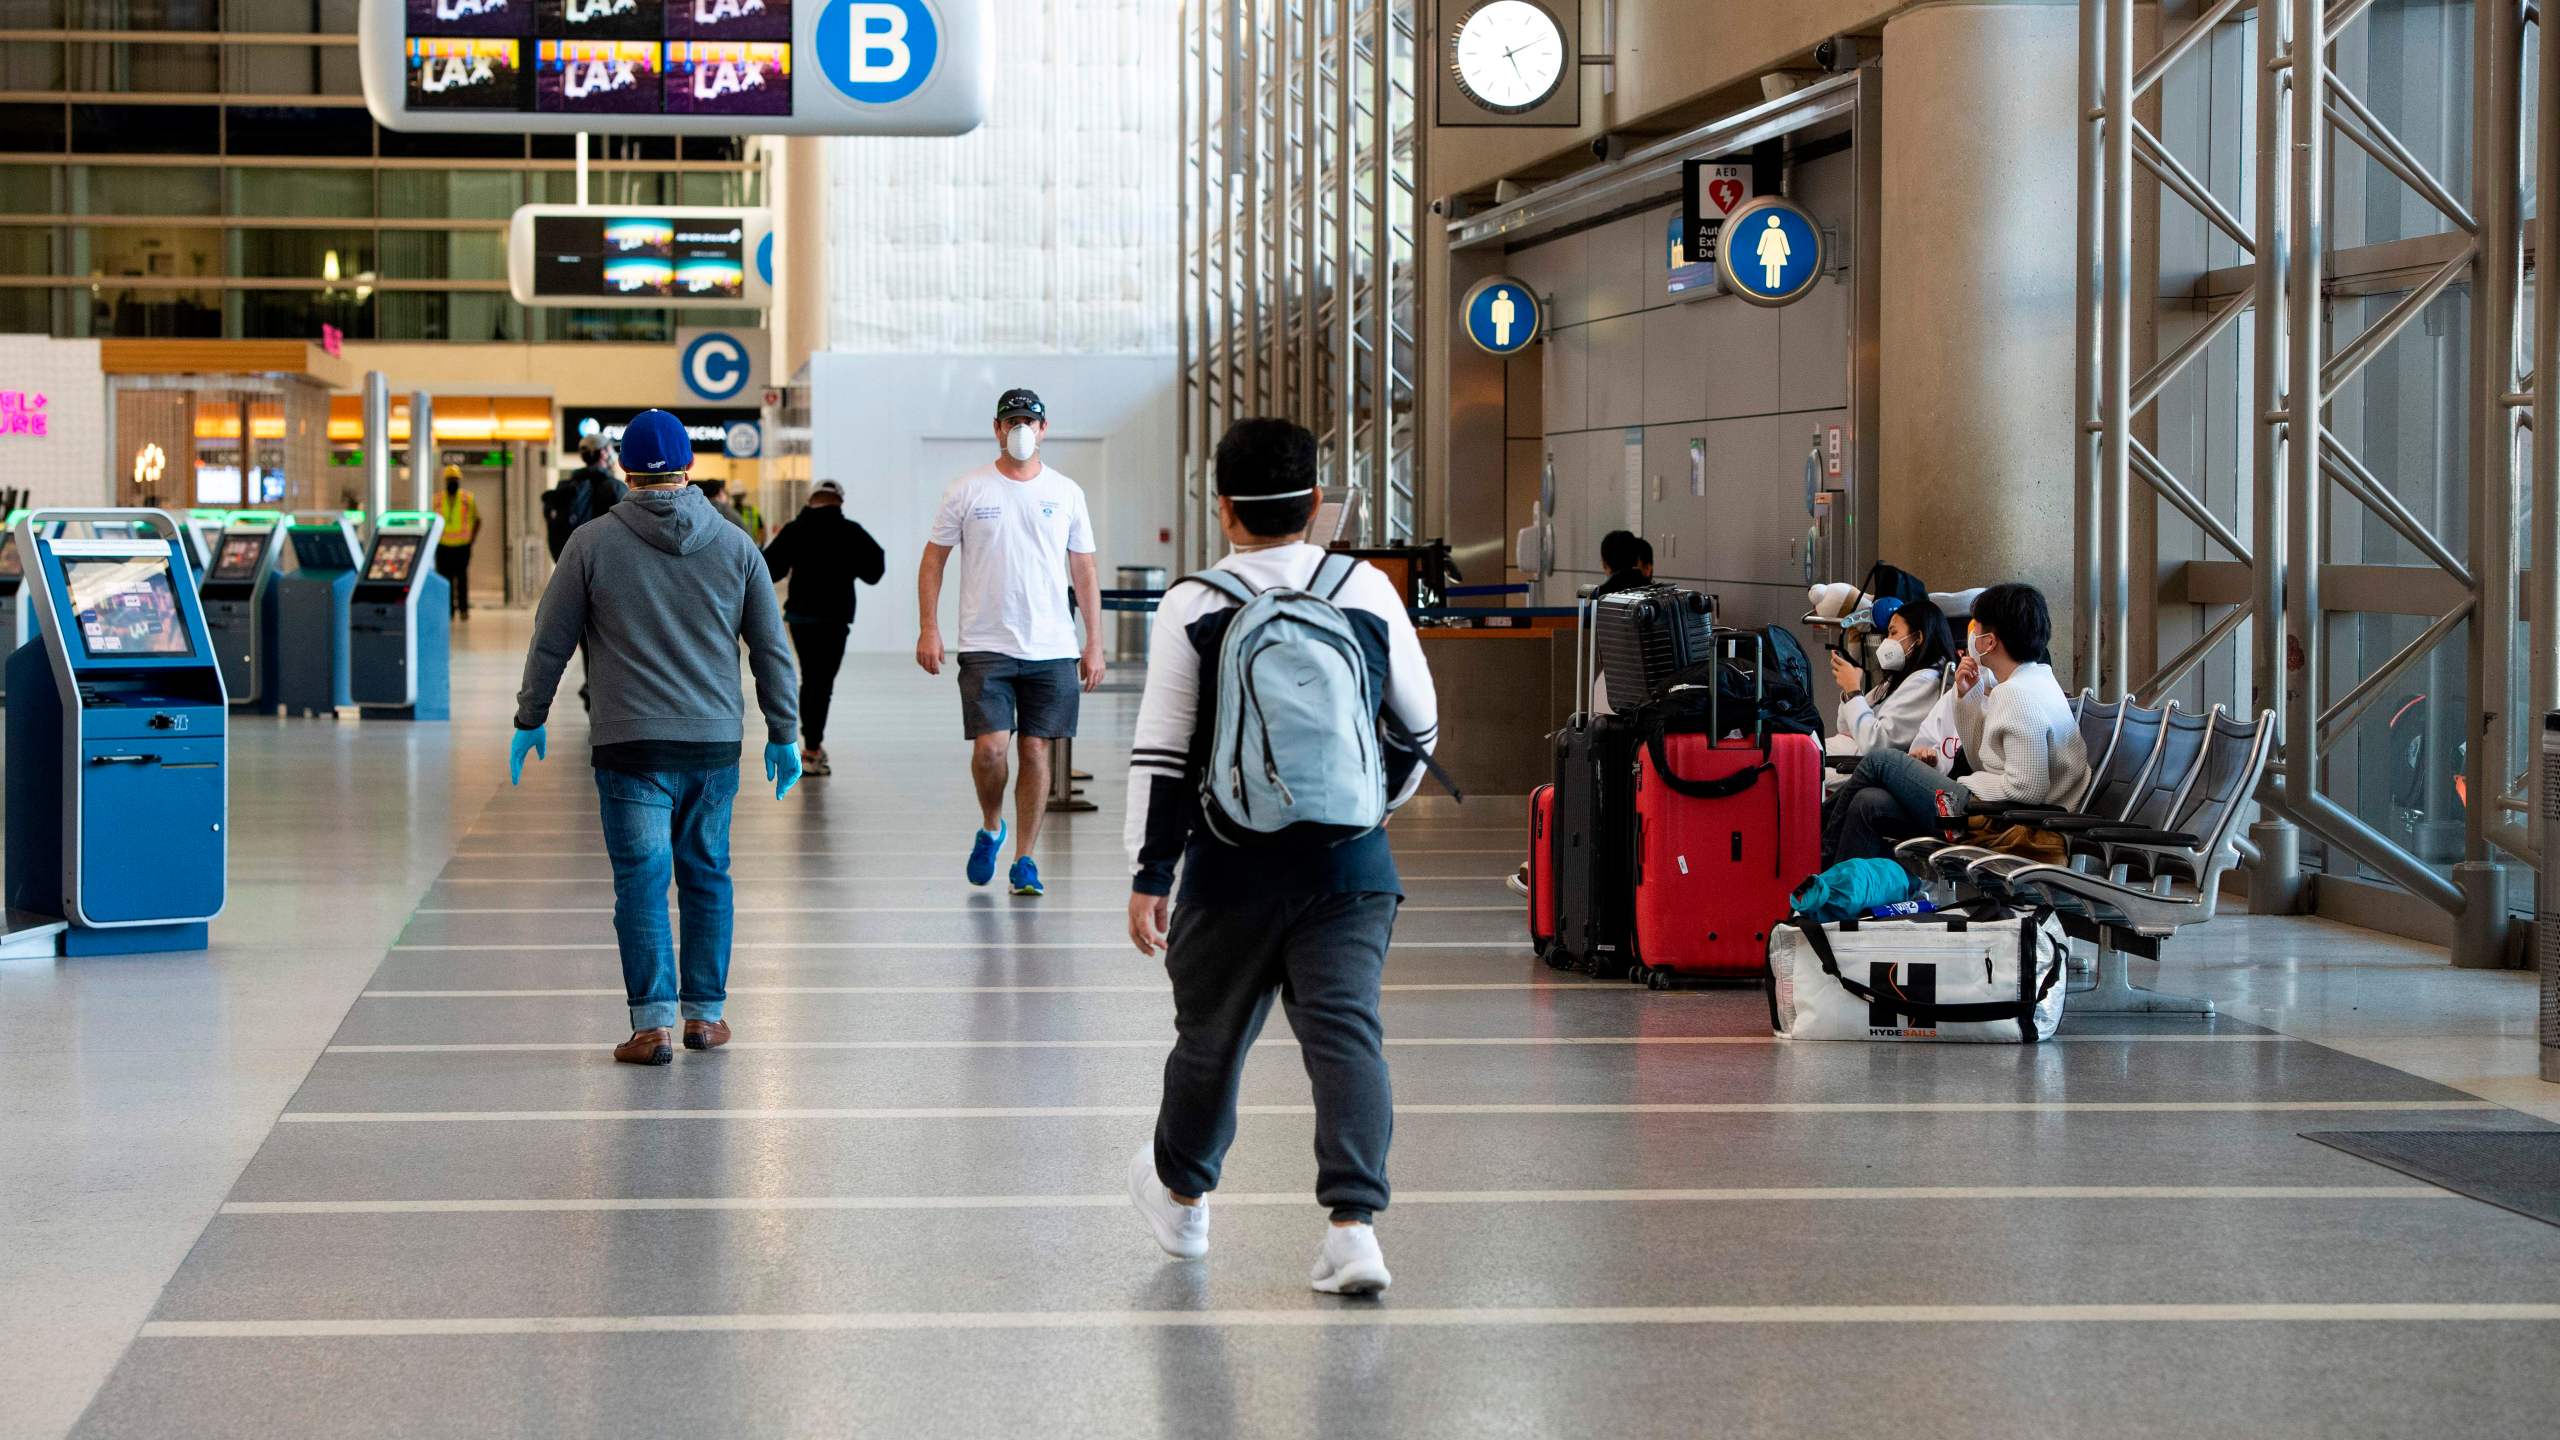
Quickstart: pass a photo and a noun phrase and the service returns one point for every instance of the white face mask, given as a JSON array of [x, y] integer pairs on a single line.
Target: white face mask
[[1890, 654], [1980, 643], [1022, 442]]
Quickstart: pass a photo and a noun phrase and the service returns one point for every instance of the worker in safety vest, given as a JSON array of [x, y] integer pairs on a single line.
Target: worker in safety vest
[[461, 526]]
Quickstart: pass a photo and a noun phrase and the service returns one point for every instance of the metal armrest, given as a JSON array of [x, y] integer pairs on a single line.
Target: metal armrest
[[2073, 824], [2136, 835], [2012, 810]]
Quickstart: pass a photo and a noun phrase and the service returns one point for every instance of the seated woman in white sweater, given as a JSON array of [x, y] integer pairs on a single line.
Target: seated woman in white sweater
[[2017, 733], [1914, 654]]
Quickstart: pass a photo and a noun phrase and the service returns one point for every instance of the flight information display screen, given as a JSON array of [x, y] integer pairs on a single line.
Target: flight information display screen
[[126, 605], [621, 256], [239, 557], [600, 57], [394, 560]]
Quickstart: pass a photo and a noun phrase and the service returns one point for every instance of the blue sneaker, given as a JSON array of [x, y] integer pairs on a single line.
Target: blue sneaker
[[982, 854], [1025, 877]]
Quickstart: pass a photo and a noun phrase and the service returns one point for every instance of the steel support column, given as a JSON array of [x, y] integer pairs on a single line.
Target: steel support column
[[2542, 612]]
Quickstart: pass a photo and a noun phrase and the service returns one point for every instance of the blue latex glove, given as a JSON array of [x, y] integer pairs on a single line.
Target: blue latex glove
[[537, 741], [782, 767]]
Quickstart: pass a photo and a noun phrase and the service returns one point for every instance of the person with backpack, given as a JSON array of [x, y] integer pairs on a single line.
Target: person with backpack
[[589, 491], [822, 552], [1287, 710], [1914, 653]]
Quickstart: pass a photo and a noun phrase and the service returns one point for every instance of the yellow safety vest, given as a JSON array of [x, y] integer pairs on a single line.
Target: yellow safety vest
[[461, 518]]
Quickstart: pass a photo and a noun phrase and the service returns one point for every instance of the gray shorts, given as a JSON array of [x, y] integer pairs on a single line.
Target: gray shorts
[[1039, 698]]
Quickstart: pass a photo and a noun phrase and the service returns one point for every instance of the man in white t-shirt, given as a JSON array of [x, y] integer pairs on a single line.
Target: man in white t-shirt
[[1024, 537]]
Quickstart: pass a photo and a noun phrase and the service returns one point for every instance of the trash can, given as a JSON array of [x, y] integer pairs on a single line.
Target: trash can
[[1130, 644]]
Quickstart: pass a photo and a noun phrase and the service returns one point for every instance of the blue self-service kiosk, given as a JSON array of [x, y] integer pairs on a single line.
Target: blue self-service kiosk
[[312, 600], [240, 606], [118, 769], [399, 627]]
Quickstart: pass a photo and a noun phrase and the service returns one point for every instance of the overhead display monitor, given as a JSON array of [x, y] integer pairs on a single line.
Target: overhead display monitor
[[126, 606], [660, 256], [678, 67]]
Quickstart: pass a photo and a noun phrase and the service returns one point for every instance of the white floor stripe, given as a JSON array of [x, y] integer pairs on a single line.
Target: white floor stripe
[[1593, 988], [606, 1042], [1121, 876], [1122, 1112], [1511, 850], [1740, 1195], [985, 909], [1335, 1316], [609, 947]]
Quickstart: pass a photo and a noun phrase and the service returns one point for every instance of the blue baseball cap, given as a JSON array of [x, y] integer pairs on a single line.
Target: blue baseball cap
[[654, 443]]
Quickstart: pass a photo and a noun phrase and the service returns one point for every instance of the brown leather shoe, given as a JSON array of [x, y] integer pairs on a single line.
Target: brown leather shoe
[[705, 1034], [646, 1047]]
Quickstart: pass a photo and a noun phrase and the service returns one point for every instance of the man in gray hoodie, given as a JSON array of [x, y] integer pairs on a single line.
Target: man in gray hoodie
[[660, 592]]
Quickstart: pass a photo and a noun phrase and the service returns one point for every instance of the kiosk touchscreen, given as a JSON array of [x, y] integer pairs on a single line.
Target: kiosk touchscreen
[[203, 531], [312, 601], [398, 627], [240, 605], [117, 782]]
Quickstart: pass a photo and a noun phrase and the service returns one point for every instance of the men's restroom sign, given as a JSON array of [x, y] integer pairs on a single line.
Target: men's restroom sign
[[1770, 253], [1503, 316]]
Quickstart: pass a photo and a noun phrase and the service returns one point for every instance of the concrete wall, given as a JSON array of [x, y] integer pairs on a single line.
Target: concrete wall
[[1627, 369], [895, 428], [67, 465]]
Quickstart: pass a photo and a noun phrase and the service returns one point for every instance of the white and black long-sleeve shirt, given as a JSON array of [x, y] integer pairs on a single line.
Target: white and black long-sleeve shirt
[[1171, 749]]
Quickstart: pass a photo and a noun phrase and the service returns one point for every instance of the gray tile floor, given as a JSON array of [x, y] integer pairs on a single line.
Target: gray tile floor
[[892, 1207]]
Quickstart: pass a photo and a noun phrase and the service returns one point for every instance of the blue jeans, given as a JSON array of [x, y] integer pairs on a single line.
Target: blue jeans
[[661, 828], [1890, 798]]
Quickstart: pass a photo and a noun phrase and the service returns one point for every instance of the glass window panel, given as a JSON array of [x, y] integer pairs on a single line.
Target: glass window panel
[[31, 189], [287, 17], [30, 250], [147, 129], [430, 146], [35, 127], [147, 69], [138, 251], [145, 190], [335, 255], [176, 314], [444, 254], [31, 14], [292, 70], [28, 312], [145, 14], [608, 325], [30, 65], [713, 147], [261, 191], [450, 194], [714, 188], [427, 315], [299, 314], [298, 130]]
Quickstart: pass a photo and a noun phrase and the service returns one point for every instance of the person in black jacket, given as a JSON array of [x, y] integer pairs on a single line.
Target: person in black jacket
[[823, 552], [589, 491]]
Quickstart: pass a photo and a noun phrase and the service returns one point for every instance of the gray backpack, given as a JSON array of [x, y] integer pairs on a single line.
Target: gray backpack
[[1296, 745]]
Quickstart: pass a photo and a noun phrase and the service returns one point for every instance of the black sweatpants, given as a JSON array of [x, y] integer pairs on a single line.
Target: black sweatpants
[[1322, 956], [453, 562], [821, 647]]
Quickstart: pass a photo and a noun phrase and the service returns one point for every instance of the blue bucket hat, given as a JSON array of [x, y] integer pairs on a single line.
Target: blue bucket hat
[[654, 443]]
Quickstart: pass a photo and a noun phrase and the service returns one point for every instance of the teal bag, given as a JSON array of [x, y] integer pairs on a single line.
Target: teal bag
[[1852, 888]]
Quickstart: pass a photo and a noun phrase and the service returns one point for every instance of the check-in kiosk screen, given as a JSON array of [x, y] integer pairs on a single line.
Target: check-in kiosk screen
[[395, 559], [601, 57], [240, 557], [13, 566], [126, 605]]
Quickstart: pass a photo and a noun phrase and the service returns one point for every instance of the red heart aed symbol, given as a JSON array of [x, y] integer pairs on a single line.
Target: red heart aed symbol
[[1724, 194]]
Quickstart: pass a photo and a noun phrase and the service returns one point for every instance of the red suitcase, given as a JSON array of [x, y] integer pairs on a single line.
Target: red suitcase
[[1725, 832], [1542, 868]]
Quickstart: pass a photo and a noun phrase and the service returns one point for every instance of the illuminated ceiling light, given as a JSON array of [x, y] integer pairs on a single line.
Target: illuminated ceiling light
[[329, 266]]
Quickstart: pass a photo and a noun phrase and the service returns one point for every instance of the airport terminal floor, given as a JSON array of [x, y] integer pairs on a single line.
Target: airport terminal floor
[[366, 1167]]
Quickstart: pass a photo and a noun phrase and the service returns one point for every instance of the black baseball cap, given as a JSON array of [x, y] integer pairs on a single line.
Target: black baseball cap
[[1021, 405]]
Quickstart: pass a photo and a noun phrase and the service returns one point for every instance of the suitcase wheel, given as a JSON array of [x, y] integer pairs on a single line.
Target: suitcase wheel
[[1558, 958], [1659, 979]]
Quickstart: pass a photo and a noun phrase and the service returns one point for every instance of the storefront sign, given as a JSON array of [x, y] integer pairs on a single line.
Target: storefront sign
[[22, 412], [710, 430]]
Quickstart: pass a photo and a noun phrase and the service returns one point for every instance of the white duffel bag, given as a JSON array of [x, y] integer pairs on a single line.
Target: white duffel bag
[[1941, 976]]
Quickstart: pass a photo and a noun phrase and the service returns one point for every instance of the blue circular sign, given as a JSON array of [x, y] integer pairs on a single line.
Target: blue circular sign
[[1770, 252], [878, 52], [1503, 316], [715, 366], [764, 257]]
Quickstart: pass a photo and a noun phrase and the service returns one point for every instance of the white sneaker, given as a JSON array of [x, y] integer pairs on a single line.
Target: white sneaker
[[1182, 1230], [1350, 1262], [1518, 882]]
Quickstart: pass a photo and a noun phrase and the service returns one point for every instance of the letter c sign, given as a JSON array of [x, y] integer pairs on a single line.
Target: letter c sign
[[878, 52], [715, 366]]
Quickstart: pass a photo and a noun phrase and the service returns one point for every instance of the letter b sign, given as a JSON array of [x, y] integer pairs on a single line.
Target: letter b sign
[[878, 52]]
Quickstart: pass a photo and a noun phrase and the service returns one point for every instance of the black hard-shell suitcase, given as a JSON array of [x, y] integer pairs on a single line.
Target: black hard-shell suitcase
[[1594, 837], [1647, 635]]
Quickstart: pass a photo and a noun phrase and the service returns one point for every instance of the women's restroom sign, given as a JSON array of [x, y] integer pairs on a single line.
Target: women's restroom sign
[[1771, 252], [1502, 315]]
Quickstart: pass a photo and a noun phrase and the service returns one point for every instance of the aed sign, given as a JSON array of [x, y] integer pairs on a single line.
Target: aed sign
[[678, 67], [1502, 315]]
